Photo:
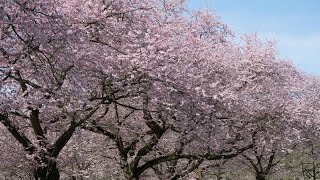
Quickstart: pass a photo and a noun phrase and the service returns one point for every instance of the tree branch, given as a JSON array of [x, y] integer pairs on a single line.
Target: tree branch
[[35, 122], [65, 137], [20, 137]]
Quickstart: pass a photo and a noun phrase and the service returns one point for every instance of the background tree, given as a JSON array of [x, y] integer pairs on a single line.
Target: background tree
[[265, 100]]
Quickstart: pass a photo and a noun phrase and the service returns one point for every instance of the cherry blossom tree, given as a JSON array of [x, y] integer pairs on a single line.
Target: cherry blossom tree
[[308, 154], [271, 108], [48, 47], [168, 88], [165, 108], [43, 57]]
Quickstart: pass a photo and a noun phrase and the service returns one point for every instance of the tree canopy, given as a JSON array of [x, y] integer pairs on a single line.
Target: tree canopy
[[135, 89]]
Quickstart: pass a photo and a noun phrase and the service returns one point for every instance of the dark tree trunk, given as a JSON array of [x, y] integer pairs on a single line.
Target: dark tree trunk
[[260, 177], [134, 176], [49, 172]]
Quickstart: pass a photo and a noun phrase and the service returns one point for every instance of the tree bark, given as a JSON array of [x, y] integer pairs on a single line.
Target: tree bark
[[127, 173], [260, 176], [47, 172]]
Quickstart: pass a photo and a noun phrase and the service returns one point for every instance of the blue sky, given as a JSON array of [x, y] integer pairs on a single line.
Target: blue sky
[[295, 24]]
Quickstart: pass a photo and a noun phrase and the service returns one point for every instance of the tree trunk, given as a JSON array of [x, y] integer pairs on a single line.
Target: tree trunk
[[314, 171], [260, 177], [126, 171], [48, 172]]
